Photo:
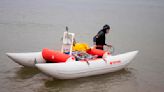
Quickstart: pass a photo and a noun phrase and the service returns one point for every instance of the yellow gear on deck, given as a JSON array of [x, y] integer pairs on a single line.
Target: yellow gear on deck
[[80, 47]]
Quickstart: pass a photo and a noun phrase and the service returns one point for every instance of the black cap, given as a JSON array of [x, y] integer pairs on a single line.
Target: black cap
[[106, 27]]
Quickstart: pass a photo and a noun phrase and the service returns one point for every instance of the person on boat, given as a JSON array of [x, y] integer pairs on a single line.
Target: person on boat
[[99, 38]]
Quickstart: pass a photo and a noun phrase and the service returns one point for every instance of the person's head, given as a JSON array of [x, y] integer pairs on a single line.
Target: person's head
[[106, 28]]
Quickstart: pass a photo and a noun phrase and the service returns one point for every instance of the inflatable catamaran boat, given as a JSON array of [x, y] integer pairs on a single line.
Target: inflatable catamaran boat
[[64, 65]]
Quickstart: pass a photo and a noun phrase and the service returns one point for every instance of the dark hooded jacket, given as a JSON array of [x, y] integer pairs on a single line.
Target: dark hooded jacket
[[100, 39]]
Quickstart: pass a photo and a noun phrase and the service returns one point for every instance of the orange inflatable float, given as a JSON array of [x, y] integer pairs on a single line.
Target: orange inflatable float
[[54, 56]]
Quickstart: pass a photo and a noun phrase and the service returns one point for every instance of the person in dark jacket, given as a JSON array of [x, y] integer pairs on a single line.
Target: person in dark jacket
[[99, 38]]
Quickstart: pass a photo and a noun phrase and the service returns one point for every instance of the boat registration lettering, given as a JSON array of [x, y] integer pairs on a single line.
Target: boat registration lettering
[[115, 62]]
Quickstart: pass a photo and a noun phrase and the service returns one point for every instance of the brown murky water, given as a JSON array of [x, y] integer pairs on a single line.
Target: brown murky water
[[27, 26]]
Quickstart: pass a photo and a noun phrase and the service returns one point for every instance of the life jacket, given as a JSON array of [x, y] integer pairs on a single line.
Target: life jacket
[[101, 39]]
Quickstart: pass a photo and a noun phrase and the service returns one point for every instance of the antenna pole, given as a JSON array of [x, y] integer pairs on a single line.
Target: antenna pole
[[66, 28]]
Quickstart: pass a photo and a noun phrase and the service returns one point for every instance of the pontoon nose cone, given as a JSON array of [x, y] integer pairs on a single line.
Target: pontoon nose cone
[[130, 55], [13, 56], [133, 53], [26, 59], [20, 58]]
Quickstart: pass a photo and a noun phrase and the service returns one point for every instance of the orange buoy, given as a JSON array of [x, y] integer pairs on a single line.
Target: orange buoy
[[54, 56]]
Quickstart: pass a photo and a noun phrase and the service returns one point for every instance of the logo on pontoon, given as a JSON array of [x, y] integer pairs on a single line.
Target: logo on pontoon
[[115, 62]]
